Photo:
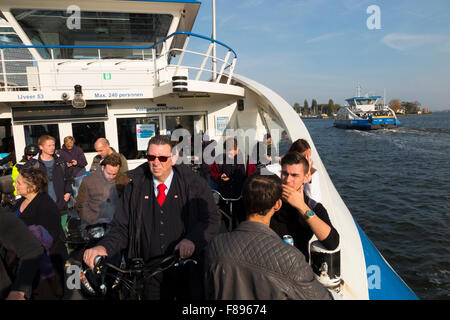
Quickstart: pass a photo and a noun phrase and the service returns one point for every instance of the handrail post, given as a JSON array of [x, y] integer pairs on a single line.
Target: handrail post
[[223, 67], [230, 75], [202, 66], [155, 76], [54, 69], [2, 56]]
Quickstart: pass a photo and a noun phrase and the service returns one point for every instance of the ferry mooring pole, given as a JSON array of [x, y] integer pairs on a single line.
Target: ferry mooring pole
[[213, 36]]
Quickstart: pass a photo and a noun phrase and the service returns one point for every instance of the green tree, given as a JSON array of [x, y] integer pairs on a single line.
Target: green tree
[[297, 107], [330, 107], [305, 109], [411, 107], [314, 106]]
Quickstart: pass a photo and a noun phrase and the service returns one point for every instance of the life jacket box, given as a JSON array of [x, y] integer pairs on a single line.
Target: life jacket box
[[6, 184], [326, 264]]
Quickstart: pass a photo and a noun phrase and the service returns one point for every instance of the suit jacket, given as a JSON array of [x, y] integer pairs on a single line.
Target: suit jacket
[[199, 212]]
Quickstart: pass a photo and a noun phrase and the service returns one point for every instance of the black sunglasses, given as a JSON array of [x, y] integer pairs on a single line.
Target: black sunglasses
[[160, 158]]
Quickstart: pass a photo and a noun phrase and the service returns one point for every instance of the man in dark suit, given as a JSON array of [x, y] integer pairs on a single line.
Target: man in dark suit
[[165, 207]]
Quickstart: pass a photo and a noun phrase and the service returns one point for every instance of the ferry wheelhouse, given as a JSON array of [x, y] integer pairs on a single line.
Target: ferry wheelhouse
[[365, 113], [127, 70]]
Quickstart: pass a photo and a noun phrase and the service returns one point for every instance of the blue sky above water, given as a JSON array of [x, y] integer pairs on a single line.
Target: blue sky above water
[[321, 49]]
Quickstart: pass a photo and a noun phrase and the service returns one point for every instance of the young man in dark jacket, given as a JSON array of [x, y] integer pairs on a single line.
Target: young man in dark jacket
[[59, 180], [252, 262], [165, 207], [300, 216]]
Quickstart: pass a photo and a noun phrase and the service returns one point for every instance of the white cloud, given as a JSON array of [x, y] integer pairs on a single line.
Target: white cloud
[[325, 37], [404, 41]]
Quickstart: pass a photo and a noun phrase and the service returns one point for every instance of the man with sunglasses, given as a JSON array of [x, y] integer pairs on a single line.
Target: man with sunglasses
[[166, 207]]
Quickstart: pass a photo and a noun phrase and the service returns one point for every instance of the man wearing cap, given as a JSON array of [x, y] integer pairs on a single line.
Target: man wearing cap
[[165, 207]]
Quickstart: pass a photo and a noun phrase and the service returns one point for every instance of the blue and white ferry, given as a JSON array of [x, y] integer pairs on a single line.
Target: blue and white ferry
[[364, 113], [116, 68]]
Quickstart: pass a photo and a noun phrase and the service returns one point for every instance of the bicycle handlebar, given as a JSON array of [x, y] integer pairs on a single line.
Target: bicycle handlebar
[[137, 268], [173, 260], [225, 199]]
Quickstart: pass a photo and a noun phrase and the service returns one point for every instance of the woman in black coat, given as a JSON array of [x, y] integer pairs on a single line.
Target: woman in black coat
[[16, 277], [37, 209]]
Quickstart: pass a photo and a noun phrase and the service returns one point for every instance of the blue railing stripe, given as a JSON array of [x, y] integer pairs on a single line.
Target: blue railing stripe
[[120, 47]]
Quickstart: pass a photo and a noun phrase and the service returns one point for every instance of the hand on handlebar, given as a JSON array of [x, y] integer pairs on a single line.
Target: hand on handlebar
[[186, 248], [90, 254]]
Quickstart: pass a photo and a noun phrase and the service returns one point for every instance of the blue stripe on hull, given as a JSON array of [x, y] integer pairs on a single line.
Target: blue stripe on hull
[[353, 124], [363, 124], [383, 282]]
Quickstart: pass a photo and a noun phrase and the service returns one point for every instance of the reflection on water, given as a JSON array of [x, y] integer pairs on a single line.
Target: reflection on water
[[396, 183]]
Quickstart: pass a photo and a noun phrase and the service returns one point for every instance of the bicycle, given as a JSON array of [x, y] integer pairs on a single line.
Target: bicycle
[[80, 238], [231, 219], [131, 279]]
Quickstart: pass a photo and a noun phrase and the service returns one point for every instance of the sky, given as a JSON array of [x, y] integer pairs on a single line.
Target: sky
[[322, 49]]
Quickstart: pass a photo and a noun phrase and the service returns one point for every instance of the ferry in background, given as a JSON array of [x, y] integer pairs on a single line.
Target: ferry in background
[[364, 113], [129, 70]]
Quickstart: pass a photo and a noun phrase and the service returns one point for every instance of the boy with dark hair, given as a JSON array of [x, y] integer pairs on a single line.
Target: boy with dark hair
[[300, 216]]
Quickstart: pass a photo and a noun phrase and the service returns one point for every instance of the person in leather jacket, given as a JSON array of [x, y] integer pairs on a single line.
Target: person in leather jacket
[[252, 262]]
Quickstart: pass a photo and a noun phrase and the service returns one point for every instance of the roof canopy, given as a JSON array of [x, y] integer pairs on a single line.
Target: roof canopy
[[363, 98]]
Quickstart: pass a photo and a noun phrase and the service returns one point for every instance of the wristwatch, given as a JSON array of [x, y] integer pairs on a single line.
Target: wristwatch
[[309, 214]]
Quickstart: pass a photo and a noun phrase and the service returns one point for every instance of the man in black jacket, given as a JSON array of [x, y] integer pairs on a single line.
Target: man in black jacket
[[300, 216], [59, 178], [165, 207], [252, 262]]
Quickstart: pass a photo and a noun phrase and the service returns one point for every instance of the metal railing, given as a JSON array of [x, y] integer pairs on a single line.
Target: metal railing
[[160, 61]]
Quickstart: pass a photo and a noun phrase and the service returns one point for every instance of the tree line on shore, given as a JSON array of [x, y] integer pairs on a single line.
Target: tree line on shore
[[316, 108], [406, 106], [331, 108]]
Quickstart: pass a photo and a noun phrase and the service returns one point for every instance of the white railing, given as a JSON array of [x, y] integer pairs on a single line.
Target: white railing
[[102, 72]]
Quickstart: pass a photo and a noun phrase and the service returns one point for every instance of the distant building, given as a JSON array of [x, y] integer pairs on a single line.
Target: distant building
[[401, 111]]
